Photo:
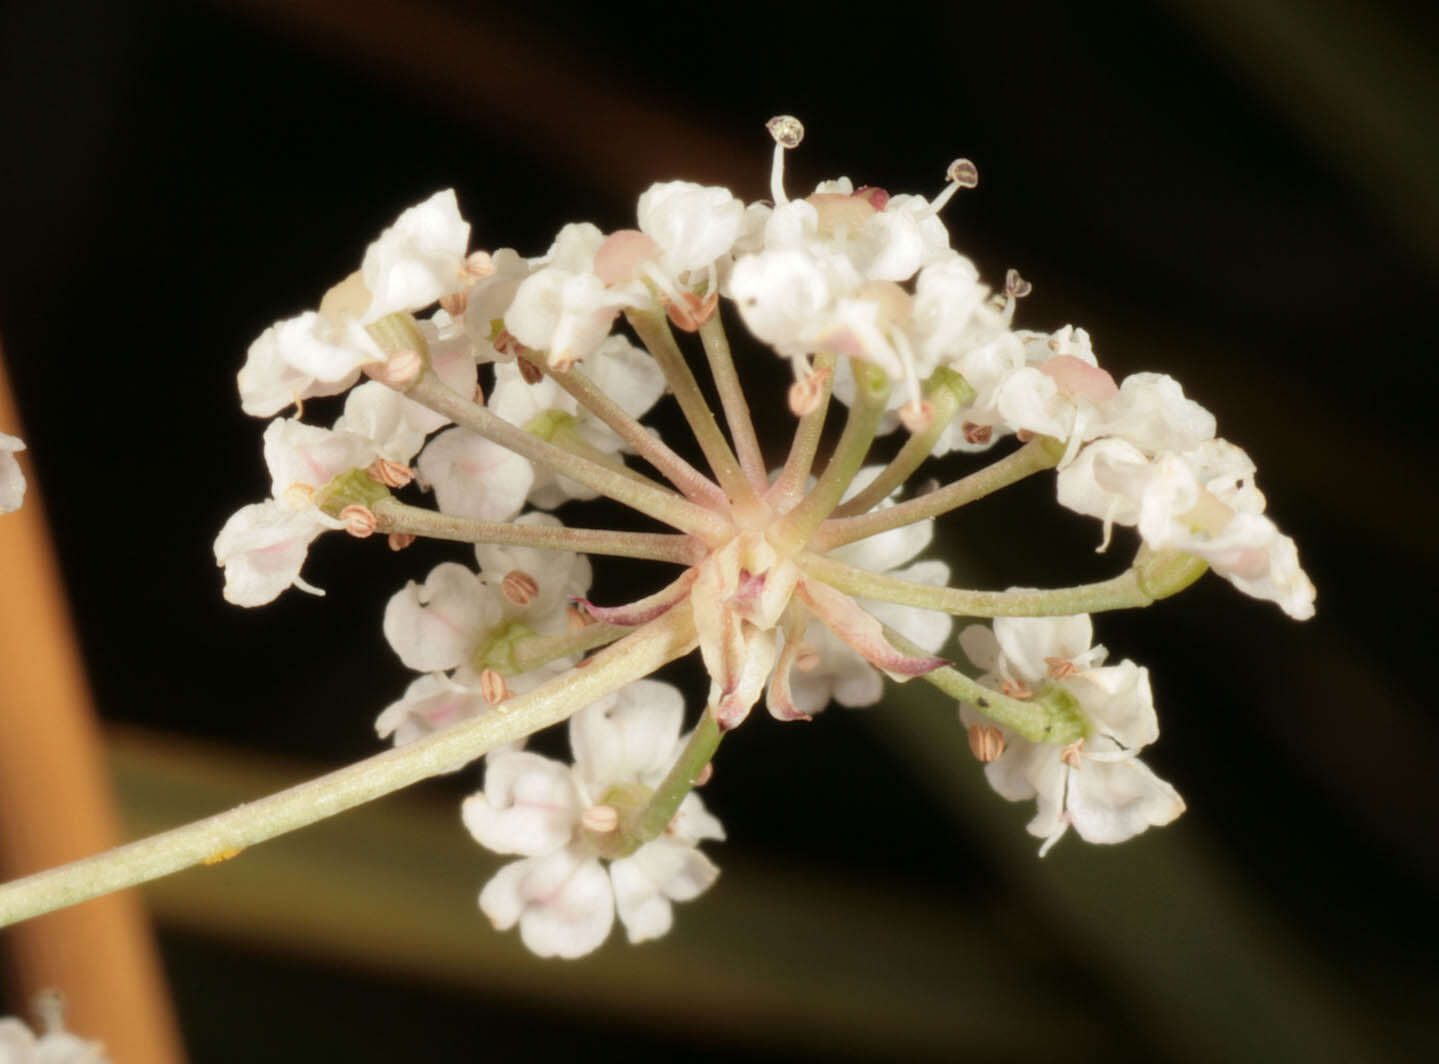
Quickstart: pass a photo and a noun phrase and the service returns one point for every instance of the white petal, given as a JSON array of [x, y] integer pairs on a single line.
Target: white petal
[[563, 903], [473, 477], [529, 805], [432, 627], [1114, 801], [418, 259], [262, 548], [12, 479], [632, 737], [694, 224]]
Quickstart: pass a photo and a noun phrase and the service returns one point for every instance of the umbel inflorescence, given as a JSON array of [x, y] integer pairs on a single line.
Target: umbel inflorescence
[[799, 585]]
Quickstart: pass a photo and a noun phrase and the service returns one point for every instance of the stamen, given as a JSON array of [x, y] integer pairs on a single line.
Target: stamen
[[977, 434], [478, 266], [1015, 286], [519, 587], [1073, 754], [400, 371], [530, 372], [493, 688], [1016, 689], [706, 774], [359, 521], [986, 742], [961, 174], [601, 819], [577, 619], [400, 540], [917, 416], [787, 132], [805, 394], [391, 474]]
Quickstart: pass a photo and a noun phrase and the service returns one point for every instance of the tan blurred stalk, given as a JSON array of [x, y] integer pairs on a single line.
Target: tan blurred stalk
[[56, 805]]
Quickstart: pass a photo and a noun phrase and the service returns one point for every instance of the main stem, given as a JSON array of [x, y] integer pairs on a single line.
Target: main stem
[[225, 834]]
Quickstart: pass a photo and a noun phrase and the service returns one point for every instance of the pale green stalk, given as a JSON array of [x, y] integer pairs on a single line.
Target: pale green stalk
[[395, 516], [654, 331], [1039, 453], [649, 820], [733, 401], [226, 834], [538, 650], [1038, 721], [663, 506], [693, 484], [946, 392], [872, 387], [1121, 592], [792, 479]]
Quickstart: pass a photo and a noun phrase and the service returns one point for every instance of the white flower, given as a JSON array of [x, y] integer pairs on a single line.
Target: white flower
[[262, 548], [56, 1045], [692, 224], [562, 896], [12, 479], [1097, 785], [474, 477]]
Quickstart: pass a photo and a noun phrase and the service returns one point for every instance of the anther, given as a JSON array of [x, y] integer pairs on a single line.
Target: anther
[[690, 311], [359, 521], [961, 174], [519, 587], [454, 303], [1016, 689], [601, 819], [298, 496], [391, 474], [1059, 668], [400, 371], [575, 619], [787, 132], [400, 540], [807, 393], [873, 195], [706, 774], [976, 434], [986, 742], [1015, 286], [530, 373], [478, 266], [493, 688], [1072, 754]]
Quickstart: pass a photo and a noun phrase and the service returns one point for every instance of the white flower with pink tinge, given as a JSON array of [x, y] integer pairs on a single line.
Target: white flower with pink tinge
[[1097, 785], [562, 895]]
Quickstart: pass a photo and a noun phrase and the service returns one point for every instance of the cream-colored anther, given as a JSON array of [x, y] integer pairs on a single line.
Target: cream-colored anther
[[601, 819], [963, 174], [806, 393], [478, 265], [1015, 286], [1073, 754], [400, 371], [399, 540]]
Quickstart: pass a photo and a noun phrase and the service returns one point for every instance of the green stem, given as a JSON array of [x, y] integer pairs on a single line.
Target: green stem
[[663, 506], [733, 401], [872, 387], [650, 820], [946, 392], [1038, 721], [1039, 453], [693, 484], [654, 331], [225, 834], [1121, 592], [395, 516], [792, 479]]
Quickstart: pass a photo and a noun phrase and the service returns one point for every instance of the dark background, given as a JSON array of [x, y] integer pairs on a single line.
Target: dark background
[[1242, 199]]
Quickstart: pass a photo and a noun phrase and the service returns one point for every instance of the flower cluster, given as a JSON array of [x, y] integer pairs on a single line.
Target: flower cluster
[[55, 1045], [798, 581]]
